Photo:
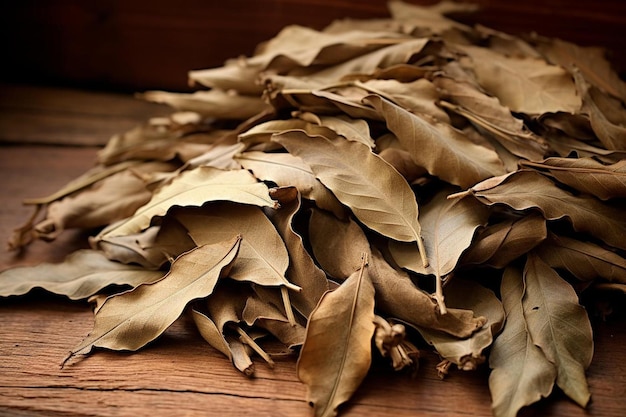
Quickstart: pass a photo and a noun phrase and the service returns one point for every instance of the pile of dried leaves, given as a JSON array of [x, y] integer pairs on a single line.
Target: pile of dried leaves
[[340, 185]]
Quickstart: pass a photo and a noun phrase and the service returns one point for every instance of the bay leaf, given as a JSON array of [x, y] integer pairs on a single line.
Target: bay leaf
[[270, 318], [82, 274], [194, 188], [262, 257], [590, 61], [448, 228], [501, 243], [525, 85], [429, 18], [235, 74], [336, 246], [212, 103], [441, 149], [132, 319], [467, 353], [526, 190], [230, 346], [488, 114], [285, 170], [586, 175], [377, 194], [137, 248], [584, 260], [521, 374], [302, 270], [337, 354], [559, 325]]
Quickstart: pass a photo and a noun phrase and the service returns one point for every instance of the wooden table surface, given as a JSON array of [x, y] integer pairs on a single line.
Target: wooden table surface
[[49, 136]]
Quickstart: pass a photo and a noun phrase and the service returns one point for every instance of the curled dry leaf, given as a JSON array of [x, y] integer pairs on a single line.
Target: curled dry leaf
[[336, 354], [132, 319], [81, 275]]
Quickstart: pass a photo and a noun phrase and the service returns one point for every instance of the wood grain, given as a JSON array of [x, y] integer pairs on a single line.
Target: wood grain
[[179, 374]]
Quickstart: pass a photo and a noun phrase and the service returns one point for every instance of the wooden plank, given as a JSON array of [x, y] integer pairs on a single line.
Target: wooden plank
[[63, 116]]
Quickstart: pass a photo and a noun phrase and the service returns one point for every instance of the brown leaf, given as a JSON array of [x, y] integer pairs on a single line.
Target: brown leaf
[[336, 354], [586, 175], [302, 271], [132, 319], [500, 244], [336, 246], [81, 275], [448, 228], [525, 85], [268, 317], [525, 190], [377, 194], [467, 353], [285, 170], [559, 326], [194, 188], [584, 260], [521, 374], [444, 151]]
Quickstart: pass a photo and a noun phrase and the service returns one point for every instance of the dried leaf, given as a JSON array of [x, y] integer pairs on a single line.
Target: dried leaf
[[525, 190], [377, 194], [336, 245], [559, 326], [213, 103], [302, 270], [81, 275], [194, 188], [336, 354], [584, 260], [586, 175], [500, 244], [262, 257], [132, 319], [442, 150], [268, 317], [285, 170], [521, 374], [525, 85], [448, 228], [467, 353]]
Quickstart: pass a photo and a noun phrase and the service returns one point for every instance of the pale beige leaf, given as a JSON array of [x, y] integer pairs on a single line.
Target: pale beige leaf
[[590, 61], [81, 275], [194, 188], [444, 151], [526, 190], [500, 244], [302, 270], [418, 97], [262, 257], [429, 18], [468, 353], [235, 74], [266, 316], [230, 346], [584, 260], [336, 354], [138, 249], [212, 103], [285, 170], [377, 194], [448, 228], [491, 117], [586, 175], [525, 85], [132, 319], [352, 129], [559, 325], [521, 374]]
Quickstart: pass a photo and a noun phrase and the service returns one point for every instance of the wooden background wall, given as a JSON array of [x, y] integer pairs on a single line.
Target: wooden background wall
[[133, 45]]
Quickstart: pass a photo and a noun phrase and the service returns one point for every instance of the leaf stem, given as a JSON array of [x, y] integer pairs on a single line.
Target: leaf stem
[[245, 338]]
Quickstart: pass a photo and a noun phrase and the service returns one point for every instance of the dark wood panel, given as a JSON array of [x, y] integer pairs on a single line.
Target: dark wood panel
[[141, 44]]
